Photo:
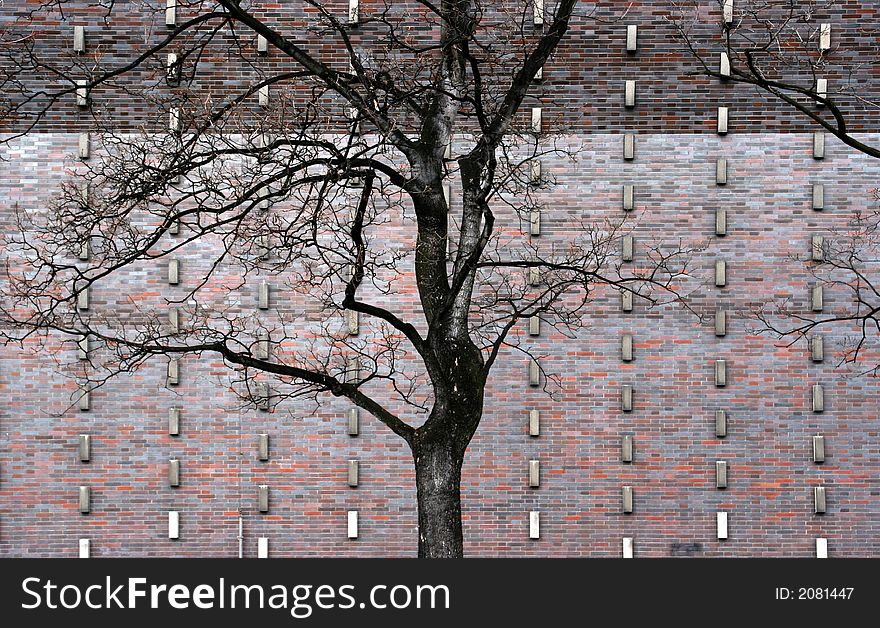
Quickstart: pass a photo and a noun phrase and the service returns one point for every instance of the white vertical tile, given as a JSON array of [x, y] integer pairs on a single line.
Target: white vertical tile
[[352, 524], [173, 524], [727, 11], [170, 12], [721, 524], [825, 36], [534, 524]]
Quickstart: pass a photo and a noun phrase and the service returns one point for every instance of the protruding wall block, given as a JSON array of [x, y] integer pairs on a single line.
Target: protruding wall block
[[85, 447], [263, 95], [818, 398], [85, 399], [535, 172], [263, 497], [817, 298], [626, 397], [82, 93], [174, 320], [819, 145], [629, 146], [79, 39], [263, 394], [721, 172], [263, 547], [721, 373], [352, 524], [534, 372], [821, 548], [720, 273], [82, 299], [85, 500], [724, 65], [627, 547], [536, 120], [262, 45], [626, 301], [626, 499], [824, 37], [534, 473], [85, 145], [722, 121], [352, 370], [817, 248], [263, 296], [818, 196], [818, 448], [626, 448], [535, 524], [629, 94], [353, 11], [82, 348], [720, 423], [353, 473], [534, 422], [535, 222], [353, 422], [720, 474], [626, 347], [174, 472], [534, 276], [85, 548], [720, 221], [534, 326], [173, 272], [632, 34], [174, 120], [173, 371], [626, 248], [174, 421], [173, 524], [263, 447], [172, 68], [720, 323], [628, 198], [819, 499], [86, 249], [353, 319], [727, 11], [721, 525], [817, 349], [262, 345], [170, 12], [822, 89], [538, 12]]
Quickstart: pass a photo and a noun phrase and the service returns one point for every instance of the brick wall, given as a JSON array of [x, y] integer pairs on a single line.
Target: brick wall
[[767, 396]]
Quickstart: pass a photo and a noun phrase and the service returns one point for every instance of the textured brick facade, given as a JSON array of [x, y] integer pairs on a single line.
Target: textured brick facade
[[767, 396]]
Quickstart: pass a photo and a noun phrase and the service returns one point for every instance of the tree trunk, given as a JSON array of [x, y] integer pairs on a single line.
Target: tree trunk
[[438, 481]]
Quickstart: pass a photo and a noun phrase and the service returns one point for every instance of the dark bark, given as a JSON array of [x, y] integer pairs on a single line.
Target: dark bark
[[438, 481], [439, 446]]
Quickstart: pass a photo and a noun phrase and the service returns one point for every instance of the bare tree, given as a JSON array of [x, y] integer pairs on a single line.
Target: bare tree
[[300, 188], [789, 52]]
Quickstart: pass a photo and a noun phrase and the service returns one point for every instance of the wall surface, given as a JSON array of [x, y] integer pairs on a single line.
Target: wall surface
[[767, 397]]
